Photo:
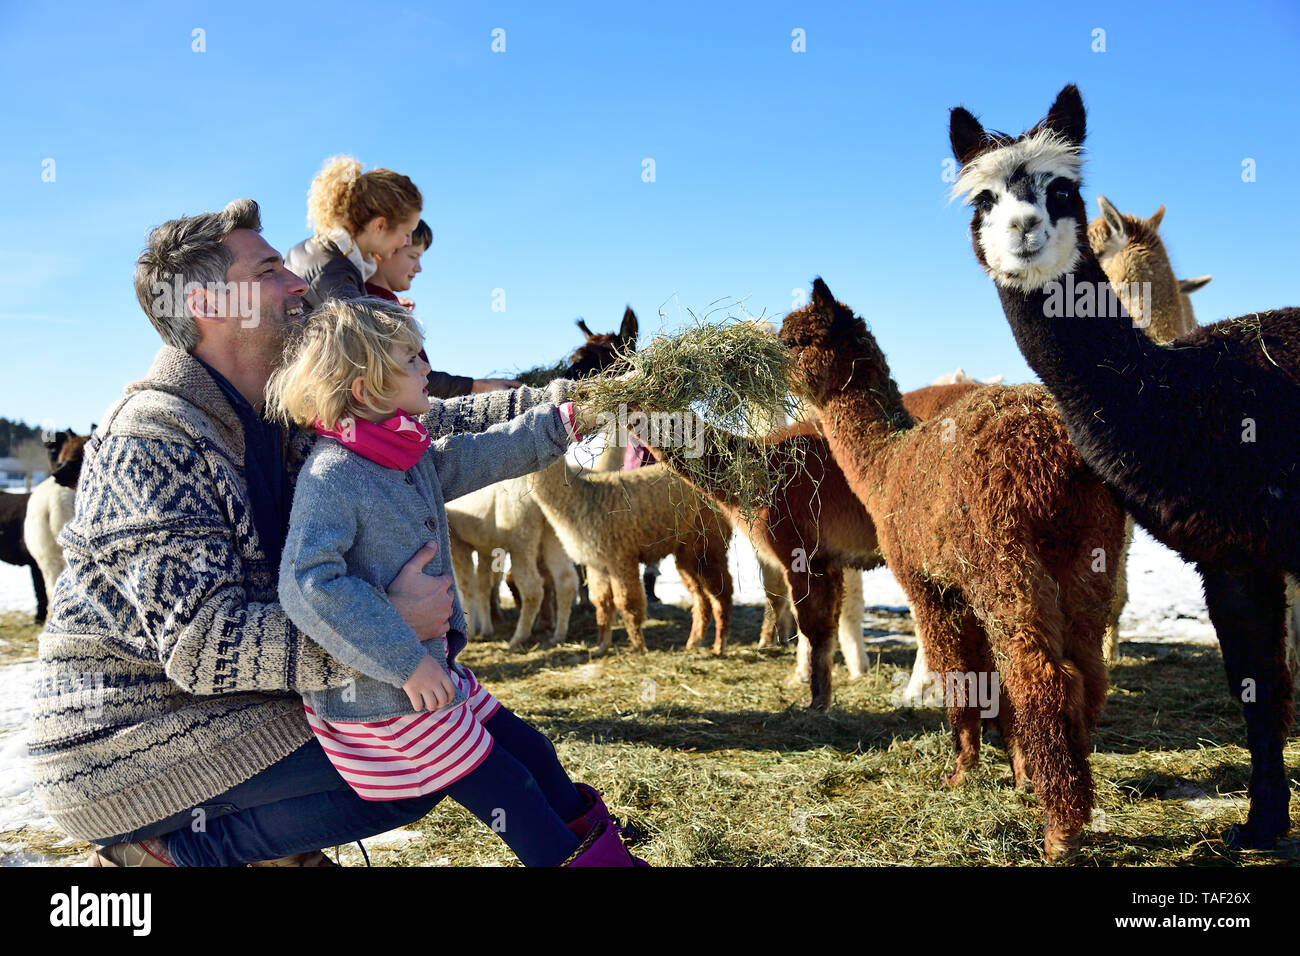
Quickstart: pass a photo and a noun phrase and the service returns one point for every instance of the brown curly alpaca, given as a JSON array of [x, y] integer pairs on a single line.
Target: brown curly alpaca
[[1002, 539], [814, 526]]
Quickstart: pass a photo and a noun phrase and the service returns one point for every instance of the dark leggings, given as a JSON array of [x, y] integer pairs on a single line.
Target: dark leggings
[[301, 803], [522, 793]]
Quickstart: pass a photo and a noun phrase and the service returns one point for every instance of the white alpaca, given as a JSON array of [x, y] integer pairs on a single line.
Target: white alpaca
[[505, 519], [49, 509], [959, 377]]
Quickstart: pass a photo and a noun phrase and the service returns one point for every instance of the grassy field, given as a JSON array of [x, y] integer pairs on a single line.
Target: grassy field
[[716, 763]]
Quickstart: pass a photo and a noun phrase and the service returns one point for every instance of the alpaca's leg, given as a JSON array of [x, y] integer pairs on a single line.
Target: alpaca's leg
[[802, 662], [778, 619], [715, 581], [565, 578], [38, 585], [1050, 697], [496, 616], [1249, 613], [529, 581], [997, 701], [921, 687], [695, 588], [602, 596], [485, 582], [629, 595], [1110, 650], [545, 620], [852, 644], [952, 649], [817, 612], [462, 567]]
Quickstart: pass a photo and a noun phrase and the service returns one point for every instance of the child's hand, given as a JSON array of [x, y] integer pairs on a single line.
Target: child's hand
[[585, 422], [429, 688]]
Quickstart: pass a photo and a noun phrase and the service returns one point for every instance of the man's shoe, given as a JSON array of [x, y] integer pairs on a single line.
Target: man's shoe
[[151, 852], [314, 858]]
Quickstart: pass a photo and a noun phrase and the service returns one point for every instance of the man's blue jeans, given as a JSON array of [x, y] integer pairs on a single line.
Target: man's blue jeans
[[301, 804]]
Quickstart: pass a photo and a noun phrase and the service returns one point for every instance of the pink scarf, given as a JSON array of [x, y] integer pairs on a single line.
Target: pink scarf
[[396, 443]]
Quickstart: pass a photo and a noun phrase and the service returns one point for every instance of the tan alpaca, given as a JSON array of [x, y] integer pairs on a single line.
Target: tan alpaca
[[613, 522], [1135, 262], [1137, 266], [501, 519]]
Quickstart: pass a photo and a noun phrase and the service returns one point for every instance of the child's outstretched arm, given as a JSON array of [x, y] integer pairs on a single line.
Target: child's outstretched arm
[[520, 446], [350, 618], [476, 413]]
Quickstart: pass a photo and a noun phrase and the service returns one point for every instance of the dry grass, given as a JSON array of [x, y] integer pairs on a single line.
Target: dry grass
[[734, 374], [716, 762]]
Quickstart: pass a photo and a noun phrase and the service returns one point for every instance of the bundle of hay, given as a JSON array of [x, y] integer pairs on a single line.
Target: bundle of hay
[[734, 375]]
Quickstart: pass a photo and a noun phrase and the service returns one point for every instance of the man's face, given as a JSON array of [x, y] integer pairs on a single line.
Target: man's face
[[396, 272], [262, 296]]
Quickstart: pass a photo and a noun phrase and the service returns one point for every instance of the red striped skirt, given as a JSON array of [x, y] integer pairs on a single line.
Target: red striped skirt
[[413, 755]]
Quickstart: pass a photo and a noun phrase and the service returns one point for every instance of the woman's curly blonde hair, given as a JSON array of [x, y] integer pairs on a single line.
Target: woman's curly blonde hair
[[340, 340], [343, 197]]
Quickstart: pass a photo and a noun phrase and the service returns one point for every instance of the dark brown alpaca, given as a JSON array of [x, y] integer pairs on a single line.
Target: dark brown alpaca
[[814, 526], [1002, 539], [13, 549], [1197, 438]]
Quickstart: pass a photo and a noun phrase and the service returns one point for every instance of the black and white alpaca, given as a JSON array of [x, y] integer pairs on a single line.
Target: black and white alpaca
[[1195, 438]]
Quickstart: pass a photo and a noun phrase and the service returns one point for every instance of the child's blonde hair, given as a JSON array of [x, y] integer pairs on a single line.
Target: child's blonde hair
[[340, 340], [343, 197]]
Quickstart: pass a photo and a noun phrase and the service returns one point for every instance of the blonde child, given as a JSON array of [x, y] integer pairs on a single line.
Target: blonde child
[[415, 722]]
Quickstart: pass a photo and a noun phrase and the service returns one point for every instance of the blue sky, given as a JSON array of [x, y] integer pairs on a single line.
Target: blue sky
[[771, 166]]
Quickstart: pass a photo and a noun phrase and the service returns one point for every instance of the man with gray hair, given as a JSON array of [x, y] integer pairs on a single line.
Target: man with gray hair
[[168, 725]]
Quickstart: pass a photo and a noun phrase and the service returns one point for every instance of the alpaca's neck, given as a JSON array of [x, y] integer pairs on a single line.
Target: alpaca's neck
[[1145, 283], [704, 456], [1094, 365], [550, 485], [861, 425]]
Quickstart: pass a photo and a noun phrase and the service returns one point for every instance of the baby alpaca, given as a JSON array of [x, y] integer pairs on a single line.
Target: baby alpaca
[[615, 521]]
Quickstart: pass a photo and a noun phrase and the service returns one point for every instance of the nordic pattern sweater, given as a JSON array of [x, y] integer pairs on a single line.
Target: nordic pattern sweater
[[168, 672]]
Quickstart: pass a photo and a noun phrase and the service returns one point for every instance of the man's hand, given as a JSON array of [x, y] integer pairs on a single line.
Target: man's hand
[[493, 384], [429, 688], [406, 304], [423, 601]]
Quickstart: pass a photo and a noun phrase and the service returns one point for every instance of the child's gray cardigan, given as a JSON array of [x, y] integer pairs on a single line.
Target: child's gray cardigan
[[355, 523]]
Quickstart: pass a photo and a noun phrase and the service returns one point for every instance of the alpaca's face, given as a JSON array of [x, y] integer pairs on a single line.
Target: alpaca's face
[[1029, 218], [1105, 241], [824, 338], [1026, 221]]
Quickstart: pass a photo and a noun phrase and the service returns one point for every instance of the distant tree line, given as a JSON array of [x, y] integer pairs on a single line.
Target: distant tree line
[[13, 434]]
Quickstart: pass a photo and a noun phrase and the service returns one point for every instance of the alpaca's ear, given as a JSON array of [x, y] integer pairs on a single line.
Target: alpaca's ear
[[628, 330], [1156, 217], [1188, 286], [1112, 217], [964, 133], [585, 331], [821, 295], [1067, 115]]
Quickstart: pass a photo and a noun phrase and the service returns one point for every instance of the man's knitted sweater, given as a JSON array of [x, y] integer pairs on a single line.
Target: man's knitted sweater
[[168, 671]]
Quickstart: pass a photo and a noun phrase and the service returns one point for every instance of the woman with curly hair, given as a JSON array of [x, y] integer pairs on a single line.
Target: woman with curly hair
[[355, 217]]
